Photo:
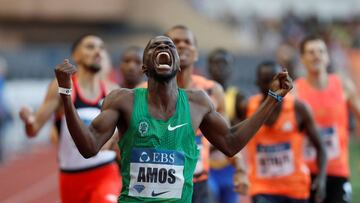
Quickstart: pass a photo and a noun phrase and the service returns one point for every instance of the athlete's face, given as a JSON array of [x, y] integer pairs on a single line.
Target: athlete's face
[[184, 41], [89, 53], [315, 57], [161, 60], [220, 67], [130, 66], [265, 76]]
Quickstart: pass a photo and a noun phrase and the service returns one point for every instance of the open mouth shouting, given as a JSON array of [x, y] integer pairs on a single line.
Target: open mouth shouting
[[163, 61]]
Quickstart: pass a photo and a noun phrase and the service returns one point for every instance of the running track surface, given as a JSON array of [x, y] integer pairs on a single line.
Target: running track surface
[[33, 177], [30, 177]]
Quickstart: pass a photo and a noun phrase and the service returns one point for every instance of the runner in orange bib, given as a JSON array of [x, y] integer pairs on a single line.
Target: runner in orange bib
[[328, 97], [277, 171]]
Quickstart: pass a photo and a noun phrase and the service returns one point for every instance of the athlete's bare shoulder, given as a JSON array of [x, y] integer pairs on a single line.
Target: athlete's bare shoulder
[[119, 99], [200, 98]]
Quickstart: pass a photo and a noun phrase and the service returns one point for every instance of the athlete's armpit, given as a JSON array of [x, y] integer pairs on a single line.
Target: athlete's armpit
[[117, 108], [103, 126]]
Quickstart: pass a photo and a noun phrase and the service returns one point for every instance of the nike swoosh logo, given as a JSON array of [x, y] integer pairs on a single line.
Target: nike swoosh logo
[[175, 127], [157, 194]]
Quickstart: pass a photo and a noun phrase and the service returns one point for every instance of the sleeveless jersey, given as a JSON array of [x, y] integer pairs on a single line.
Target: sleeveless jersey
[[158, 157], [69, 156], [203, 165], [331, 115], [276, 165]]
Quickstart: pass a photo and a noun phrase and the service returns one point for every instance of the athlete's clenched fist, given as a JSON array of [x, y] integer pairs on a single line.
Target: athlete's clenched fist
[[63, 74]]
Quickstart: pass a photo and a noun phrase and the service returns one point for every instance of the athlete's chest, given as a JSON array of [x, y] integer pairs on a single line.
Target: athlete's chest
[[153, 132], [162, 113]]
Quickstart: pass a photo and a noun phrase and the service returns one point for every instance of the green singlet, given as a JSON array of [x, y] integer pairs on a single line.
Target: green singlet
[[158, 157]]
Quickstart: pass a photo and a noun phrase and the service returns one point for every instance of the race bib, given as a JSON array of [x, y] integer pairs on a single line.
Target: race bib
[[274, 160], [156, 173], [331, 141]]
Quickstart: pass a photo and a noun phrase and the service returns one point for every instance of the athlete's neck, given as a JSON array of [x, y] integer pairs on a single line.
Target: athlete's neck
[[129, 85], [162, 97], [318, 80], [88, 82], [184, 77]]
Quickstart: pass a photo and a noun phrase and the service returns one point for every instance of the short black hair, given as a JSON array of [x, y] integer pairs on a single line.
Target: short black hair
[[307, 39], [78, 41], [266, 63], [132, 48], [218, 51], [181, 27]]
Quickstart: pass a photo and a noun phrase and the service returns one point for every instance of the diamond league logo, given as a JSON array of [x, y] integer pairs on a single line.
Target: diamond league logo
[[144, 157]]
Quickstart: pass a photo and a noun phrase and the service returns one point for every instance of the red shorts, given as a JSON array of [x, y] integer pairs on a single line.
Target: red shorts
[[99, 185]]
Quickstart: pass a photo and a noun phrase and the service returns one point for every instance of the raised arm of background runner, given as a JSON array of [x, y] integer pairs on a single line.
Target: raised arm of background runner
[[231, 140]]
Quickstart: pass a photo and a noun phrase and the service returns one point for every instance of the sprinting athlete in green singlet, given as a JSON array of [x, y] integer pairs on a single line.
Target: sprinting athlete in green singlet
[[156, 126]]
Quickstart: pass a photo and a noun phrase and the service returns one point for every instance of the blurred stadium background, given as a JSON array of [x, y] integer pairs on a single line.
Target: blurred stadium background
[[35, 35]]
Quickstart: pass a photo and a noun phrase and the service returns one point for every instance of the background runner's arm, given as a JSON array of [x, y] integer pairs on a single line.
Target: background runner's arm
[[241, 182], [240, 165], [35, 121], [353, 100], [307, 124], [232, 140]]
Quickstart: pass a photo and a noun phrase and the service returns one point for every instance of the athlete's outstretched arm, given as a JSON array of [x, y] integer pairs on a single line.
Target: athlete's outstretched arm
[[88, 140], [231, 140]]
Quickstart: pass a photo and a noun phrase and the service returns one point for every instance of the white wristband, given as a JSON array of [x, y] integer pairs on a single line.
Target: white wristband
[[65, 91]]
